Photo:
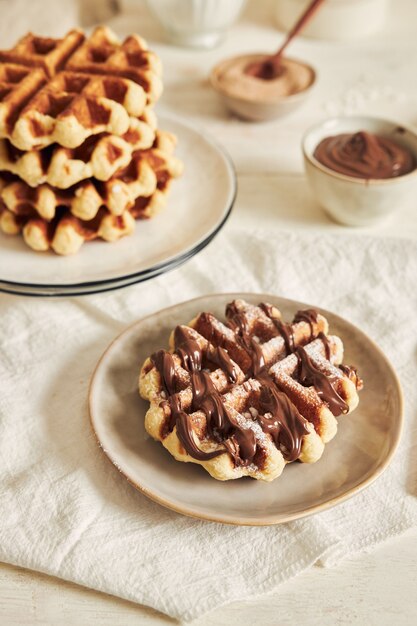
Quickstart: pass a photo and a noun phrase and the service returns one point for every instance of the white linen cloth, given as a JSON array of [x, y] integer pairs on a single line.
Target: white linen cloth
[[66, 511]]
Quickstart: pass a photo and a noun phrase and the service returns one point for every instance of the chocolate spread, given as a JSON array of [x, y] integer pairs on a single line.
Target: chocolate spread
[[309, 375], [364, 155], [276, 414]]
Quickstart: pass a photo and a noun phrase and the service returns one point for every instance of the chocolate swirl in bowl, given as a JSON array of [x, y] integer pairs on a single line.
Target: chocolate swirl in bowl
[[364, 155]]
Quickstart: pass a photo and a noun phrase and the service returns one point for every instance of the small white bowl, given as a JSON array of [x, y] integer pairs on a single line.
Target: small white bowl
[[357, 201]]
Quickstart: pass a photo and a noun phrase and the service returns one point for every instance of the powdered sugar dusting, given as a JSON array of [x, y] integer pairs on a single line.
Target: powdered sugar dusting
[[245, 421]]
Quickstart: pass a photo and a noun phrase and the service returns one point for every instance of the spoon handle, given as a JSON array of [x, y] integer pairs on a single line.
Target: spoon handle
[[302, 22]]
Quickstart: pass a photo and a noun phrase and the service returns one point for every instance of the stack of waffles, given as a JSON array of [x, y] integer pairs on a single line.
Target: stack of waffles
[[81, 156], [248, 395]]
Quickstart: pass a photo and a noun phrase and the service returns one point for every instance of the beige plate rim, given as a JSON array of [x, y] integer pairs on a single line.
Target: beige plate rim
[[236, 521]]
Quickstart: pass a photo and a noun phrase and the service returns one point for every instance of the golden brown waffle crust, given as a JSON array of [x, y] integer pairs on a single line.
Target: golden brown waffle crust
[[101, 156], [65, 90], [106, 211]]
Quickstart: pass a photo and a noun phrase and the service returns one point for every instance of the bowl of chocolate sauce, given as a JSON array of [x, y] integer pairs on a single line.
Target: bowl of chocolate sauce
[[361, 169]]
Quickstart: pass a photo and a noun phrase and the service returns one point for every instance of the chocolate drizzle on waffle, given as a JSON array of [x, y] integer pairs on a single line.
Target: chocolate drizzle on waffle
[[188, 349], [164, 363], [246, 396], [352, 373], [237, 322], [185, 435], [205, 397], [309, 376], [235, 353], [310, 316], [285, 330], [280, 417], [281, 420]]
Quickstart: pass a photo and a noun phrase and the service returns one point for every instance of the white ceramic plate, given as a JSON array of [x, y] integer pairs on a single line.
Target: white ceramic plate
[[361, 450], [83, 290], [198, 205]]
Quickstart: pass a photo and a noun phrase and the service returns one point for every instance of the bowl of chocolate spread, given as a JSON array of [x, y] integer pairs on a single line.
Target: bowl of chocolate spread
[[361, 169], [259, 98]]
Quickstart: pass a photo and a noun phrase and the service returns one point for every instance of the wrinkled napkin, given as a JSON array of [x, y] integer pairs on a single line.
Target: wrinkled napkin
[[66, 511]]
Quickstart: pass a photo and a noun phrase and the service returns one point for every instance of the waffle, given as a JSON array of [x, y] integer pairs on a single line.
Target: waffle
[[63, 219], [103, 54], [132, 187], [247, 396], [100, 156], [66, 90], [66, 233], [45, 53]]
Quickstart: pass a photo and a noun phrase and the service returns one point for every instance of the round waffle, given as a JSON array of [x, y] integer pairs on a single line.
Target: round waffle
[[247, 396]]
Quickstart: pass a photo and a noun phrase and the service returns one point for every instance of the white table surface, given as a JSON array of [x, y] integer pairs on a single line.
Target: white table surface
[[376, 76]]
